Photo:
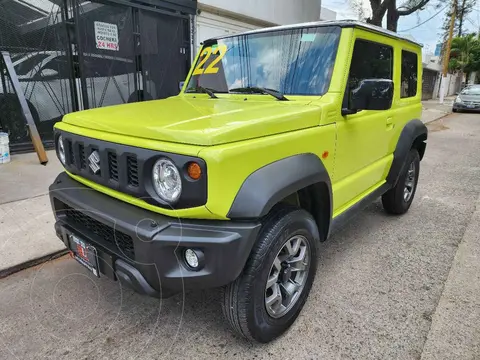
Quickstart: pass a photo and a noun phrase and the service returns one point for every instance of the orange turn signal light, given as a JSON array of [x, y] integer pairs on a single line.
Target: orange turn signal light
[[194, 171]]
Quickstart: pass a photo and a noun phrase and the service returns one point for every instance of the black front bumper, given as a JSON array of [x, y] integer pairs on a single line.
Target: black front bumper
[[144, 249], [464, 107]]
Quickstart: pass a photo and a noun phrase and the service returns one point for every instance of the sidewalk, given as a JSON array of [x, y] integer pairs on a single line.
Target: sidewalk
[[455, 329], [433, 110], [26, 219]]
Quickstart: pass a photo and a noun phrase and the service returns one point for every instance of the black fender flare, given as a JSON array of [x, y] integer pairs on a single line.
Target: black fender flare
[[274, 182], [414, 131]]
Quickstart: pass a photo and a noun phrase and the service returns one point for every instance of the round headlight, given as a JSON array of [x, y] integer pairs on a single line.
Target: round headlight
[[166, 180], [458, 99], [61, 150]]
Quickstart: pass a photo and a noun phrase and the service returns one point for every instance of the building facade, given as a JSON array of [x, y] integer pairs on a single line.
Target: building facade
[[219, 17]]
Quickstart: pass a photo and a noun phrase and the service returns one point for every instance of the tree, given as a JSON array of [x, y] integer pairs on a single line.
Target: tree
[[389, 7], [464, 8], [465, 54]]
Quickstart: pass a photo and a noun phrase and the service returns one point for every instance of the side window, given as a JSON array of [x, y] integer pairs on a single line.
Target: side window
[[409, 74], [370, 61]]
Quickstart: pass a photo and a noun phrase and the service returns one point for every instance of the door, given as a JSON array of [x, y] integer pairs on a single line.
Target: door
[[113, 76], [362, 158], [107, 60], [165, 53]]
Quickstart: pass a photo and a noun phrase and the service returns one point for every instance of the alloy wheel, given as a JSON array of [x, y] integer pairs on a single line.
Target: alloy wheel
[[287, 276], [409, 183]]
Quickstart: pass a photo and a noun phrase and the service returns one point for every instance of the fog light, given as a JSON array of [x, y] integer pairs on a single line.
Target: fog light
[[193, 258]]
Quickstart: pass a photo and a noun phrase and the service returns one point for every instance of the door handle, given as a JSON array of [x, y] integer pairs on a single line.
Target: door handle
[[390, 124]]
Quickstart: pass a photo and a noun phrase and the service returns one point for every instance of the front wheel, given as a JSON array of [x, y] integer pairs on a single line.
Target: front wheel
[[268, 296], [398, 199]]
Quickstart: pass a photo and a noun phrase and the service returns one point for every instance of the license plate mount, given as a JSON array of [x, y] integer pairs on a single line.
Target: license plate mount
[[85, 254]]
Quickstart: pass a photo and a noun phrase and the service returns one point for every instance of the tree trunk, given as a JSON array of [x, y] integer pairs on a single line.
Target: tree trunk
[[392, 16], [460, 18], [378, 11], [375, 20]]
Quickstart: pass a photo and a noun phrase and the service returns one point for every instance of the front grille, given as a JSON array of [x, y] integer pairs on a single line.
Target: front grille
[[126, 169], [71, 152], [475, 103], [110, 236], [132, 171], [113, 166], [83, 160]]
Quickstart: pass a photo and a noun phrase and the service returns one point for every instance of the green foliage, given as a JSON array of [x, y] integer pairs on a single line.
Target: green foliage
[[465, 54]]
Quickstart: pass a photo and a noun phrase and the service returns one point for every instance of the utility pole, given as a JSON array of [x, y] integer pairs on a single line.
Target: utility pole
[[446, 55]]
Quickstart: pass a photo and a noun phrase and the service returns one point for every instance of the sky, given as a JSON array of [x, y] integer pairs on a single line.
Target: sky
[[428, 34]]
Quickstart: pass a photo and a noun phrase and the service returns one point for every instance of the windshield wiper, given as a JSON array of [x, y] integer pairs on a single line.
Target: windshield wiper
[[208, 91], [261, 90]]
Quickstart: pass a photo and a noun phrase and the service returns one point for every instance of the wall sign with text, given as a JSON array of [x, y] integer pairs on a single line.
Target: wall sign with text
[[106, 36]]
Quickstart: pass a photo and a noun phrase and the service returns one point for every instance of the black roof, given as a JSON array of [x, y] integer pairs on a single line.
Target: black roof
[[340, 23]]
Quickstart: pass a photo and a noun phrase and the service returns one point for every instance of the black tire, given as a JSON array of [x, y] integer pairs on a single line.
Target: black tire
[[394, 201], [243, 301], [454, 110]]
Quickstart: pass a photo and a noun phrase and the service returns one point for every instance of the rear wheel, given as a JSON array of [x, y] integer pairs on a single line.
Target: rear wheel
[[268, 296], [398, 199]]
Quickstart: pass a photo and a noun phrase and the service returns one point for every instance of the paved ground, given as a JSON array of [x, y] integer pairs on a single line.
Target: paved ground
[[433, 110], [386, 288], [26, 219]]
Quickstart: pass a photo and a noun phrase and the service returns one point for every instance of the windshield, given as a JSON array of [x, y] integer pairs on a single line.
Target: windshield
[[471, 90], [291, 61]]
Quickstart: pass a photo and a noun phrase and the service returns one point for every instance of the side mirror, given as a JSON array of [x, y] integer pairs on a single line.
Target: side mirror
[[48, 73], [371, 94]]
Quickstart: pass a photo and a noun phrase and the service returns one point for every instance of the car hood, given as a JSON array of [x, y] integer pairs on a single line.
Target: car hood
[[466, 97], [200, 121]]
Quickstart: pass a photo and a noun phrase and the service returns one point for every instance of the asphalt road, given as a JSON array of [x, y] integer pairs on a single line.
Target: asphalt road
[[378, 287]]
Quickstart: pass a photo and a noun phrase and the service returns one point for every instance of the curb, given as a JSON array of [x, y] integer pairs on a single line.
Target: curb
[[441, 117], [16, 268]]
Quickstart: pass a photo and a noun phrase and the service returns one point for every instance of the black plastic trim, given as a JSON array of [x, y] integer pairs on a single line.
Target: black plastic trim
[[274, 182], [194, 193], [131, 277], [341, 220], [413, 130], [158, 241]]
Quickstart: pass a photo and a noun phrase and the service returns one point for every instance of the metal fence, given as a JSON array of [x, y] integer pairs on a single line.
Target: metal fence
[[71, 55], [34, 37]]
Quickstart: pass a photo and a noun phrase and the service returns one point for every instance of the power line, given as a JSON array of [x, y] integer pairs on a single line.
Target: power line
[[471, 22], [430, 18]]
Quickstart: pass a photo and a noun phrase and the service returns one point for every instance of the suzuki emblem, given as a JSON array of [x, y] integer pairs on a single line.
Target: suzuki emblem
[[94, 161]]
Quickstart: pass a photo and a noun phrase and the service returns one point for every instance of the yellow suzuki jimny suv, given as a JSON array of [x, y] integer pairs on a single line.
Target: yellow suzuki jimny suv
[[278, 136]]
